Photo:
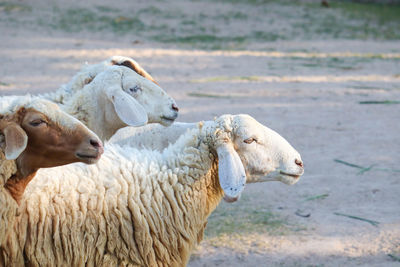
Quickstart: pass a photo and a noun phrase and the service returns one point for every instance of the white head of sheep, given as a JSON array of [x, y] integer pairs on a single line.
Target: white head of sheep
[[124, 98], [167, 113], [250, 152], [165, 117]]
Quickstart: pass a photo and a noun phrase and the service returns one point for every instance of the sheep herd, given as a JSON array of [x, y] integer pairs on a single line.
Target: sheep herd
[[143, 198]]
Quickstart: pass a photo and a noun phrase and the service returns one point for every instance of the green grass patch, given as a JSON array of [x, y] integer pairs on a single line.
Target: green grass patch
[[375, 102], [9, 7], [323, 196], [79, 19], [350, 20], [237, 25], [394, 257], [253, 2], [151, 10], [4, 84], [381, 13], [333, 62], [206, 41], [364, 169], [241, 219], [366, 87], [372, 222], [107, 9]]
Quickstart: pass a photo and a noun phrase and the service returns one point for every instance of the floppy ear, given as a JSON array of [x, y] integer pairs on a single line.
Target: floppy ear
[[16, 140], [232, 176], [129, 110], [135, 67]]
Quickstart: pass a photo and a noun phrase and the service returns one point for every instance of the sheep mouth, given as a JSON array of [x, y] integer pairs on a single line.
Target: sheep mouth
[[296, 176], [167, 120], [88, 158]]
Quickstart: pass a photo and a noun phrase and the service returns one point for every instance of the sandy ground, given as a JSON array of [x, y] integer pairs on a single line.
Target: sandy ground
[[311, 92]]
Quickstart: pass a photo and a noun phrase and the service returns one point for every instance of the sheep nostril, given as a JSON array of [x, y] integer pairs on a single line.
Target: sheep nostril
[[298, 162], [175, 107], [95, 143]]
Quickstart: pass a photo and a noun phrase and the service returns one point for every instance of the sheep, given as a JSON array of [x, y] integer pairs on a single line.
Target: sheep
[[35, 133], [108, 97], [89, 72], [143, 207]]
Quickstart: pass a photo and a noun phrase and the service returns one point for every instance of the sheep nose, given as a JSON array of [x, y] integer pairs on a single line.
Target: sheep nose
[[95, 143], [175, 107], [298, 162]]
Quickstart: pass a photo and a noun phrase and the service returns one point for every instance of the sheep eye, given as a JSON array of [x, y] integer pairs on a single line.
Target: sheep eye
[[37, 122], [249, 140], [135, 89]]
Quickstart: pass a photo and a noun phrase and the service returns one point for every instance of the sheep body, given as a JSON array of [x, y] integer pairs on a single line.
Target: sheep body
[[119, 211], [151, 136], [16, 169], [134, 208]]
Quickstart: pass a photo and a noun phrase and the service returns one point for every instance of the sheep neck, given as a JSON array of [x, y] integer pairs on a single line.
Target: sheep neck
[[84, 106], [17, 183]]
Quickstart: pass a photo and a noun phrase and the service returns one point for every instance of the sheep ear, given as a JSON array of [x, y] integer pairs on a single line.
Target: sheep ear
[[135, 67], [129, 110], [232, 176], [16, 140]]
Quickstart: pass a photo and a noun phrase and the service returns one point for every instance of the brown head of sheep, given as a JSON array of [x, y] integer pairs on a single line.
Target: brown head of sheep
[[37, 135]]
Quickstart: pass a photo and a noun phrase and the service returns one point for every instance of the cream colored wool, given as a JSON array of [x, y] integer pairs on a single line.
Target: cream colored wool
[[8, 205], [143, 210], [134, 208]]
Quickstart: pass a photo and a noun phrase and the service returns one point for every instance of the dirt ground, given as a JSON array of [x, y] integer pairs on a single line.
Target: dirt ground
[[332, 90]]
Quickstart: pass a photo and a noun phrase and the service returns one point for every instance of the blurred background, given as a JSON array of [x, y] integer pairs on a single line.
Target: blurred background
[[323, 74]]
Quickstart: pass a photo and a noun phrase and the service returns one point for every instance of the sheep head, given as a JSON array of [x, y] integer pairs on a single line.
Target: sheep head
[[250, 152], [163, 110], [37, 134], [136, 100]]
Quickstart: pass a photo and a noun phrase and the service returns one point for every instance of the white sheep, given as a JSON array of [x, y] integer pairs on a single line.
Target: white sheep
[[143, 207], [118, 97], [89, 71], [35, 133]]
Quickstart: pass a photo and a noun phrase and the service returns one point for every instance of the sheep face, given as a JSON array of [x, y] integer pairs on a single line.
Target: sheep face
[[160, 107], [136, 100], [265, 154], [39, 134], [250, 152]]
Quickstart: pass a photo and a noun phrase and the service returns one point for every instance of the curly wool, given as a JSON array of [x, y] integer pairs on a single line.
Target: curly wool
[[134, 208], [8, 206]]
